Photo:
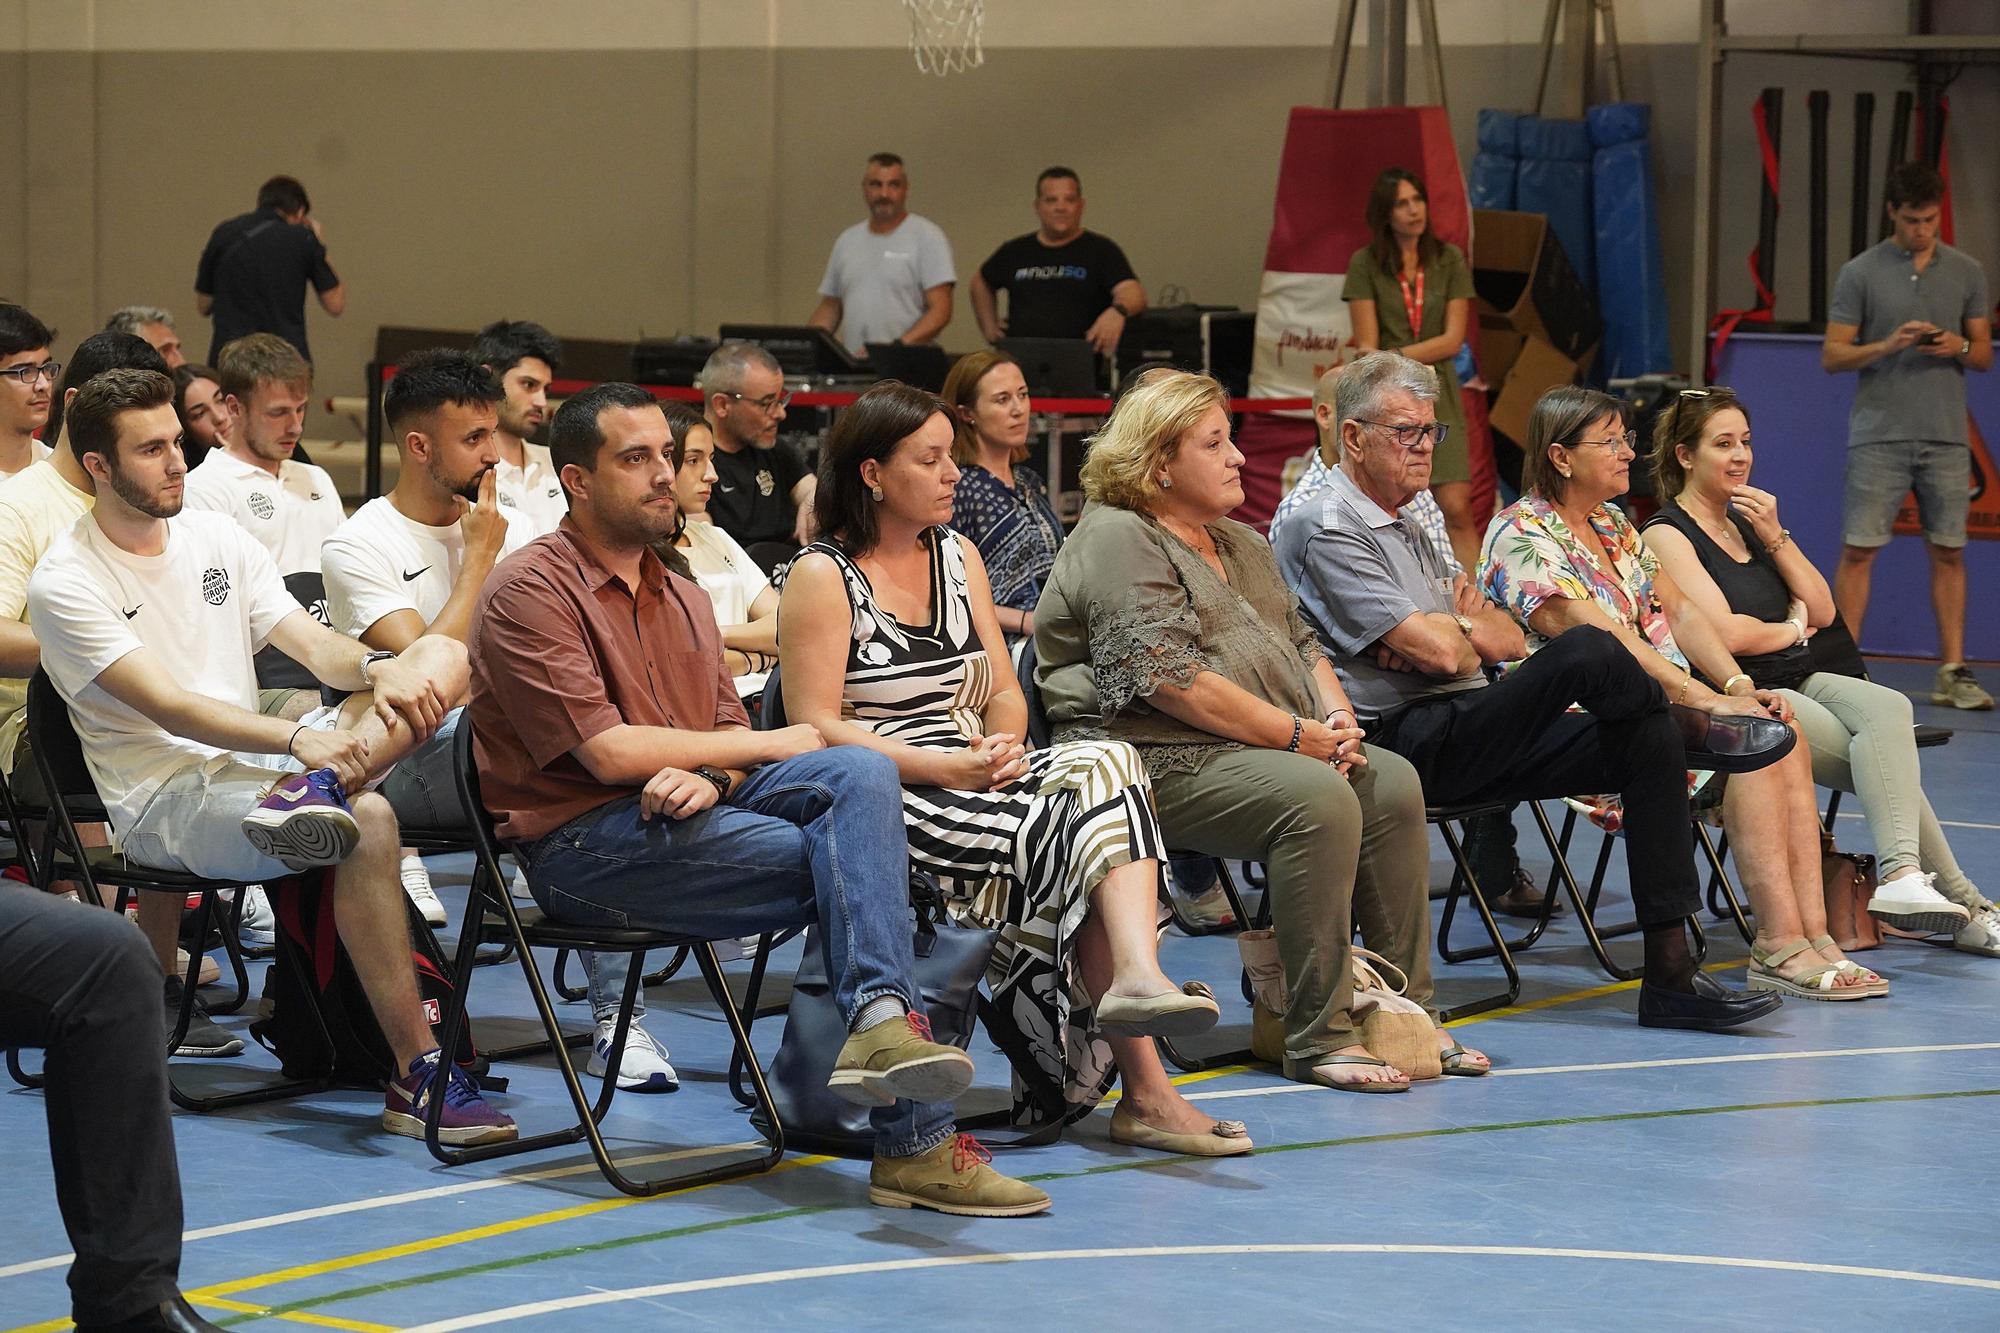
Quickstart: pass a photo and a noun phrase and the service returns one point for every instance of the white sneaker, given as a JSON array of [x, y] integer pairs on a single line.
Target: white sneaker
[[258, 928], [1913, 903], [417, 883], [737, 950], [1981, 934], [642, 1068], [518, 886]]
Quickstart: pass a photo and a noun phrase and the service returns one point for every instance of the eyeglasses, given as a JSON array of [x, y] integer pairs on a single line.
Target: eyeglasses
[[1630, 439], [768, 404], [26, 376], [1408, 436]]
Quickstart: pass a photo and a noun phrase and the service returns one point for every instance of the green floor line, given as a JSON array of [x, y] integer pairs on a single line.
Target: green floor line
[[724, 1224]]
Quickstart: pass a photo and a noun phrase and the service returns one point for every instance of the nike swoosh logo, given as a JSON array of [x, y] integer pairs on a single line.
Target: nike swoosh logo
[[418, 574], [291, 797], [313, 496], [133, 612], [726, 490]]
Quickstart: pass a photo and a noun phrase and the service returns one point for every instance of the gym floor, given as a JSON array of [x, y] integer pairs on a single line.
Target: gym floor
[[1777, 1176]]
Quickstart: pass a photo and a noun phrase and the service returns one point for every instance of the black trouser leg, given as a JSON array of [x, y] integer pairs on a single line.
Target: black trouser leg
[[81, 983], [1514, 740]]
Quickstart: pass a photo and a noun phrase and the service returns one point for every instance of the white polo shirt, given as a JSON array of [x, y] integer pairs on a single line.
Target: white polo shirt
[[533, 488], [292, 514], [379, 562]]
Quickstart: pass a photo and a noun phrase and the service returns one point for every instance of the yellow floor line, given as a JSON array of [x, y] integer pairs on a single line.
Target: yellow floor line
[[1570, 997], [296, 1316]]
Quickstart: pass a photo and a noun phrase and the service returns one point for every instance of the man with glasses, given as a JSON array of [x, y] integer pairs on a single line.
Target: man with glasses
[[1411, 641], [763, 493], [27, 386]]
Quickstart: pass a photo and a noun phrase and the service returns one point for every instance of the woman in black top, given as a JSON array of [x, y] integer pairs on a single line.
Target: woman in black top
[[1720, 539]]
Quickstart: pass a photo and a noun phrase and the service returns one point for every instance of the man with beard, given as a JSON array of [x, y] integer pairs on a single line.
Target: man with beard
[[764, 488], [889, 278], [148, 617], [526, 357], [288, 506], [410, 563]]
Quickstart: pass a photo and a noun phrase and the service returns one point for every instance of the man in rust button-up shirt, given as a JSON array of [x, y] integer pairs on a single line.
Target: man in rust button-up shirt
[[617, 759]]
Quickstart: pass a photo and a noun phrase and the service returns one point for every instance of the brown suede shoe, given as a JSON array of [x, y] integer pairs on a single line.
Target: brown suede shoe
[[892, 1060], [952, 1178]]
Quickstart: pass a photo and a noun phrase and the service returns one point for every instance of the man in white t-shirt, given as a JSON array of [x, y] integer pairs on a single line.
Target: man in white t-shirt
[[148, 618], [412, 563], [288, 506], [27, 386], [889, 279], [526, 357]]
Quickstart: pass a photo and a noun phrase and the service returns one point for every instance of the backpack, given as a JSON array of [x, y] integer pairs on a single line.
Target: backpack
[[320, 1024]]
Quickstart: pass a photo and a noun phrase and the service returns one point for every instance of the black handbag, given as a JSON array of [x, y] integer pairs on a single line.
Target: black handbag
[[951, 960]]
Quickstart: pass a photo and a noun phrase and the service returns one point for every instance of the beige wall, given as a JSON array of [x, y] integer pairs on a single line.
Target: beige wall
[[613, 169]]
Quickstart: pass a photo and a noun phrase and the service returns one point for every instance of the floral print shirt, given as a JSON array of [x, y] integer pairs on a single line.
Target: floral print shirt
[[1532, 556]]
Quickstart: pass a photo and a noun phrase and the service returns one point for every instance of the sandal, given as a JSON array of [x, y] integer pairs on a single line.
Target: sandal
[[1225, 1138], [1874, 985], [1174, 1013], [1312, 1075], [1821, 983], [1454, 1063]]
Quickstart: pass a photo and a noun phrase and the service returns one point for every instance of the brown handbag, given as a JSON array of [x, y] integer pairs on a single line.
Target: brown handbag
[[1848, 879]]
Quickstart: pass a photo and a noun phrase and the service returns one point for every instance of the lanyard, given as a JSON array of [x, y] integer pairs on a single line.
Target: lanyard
[[1413, 304]]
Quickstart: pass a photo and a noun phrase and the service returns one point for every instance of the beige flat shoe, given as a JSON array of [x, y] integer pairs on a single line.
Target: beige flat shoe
[[1229, 1138], [1174, 1013]]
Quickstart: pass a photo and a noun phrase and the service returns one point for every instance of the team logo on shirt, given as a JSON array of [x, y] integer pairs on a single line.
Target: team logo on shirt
[[507, 500], [261, 506], [215, 586], [766, 483]]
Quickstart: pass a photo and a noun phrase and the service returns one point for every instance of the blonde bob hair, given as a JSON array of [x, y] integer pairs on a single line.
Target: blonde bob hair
[[1144, 432]]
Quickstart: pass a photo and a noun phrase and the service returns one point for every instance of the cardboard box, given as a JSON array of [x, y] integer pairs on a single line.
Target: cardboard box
[[1523, 281], [1538, 368]]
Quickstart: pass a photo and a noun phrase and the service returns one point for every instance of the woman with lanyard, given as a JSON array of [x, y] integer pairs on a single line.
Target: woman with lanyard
[[1409, 292]]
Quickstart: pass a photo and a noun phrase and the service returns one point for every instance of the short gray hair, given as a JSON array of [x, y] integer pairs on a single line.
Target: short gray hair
[[723, 371], [1363, 382], [132, 318]]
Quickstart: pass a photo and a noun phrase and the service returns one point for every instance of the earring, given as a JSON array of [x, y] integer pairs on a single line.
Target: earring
[[876, 491], [1563, 470], [1166, 483]]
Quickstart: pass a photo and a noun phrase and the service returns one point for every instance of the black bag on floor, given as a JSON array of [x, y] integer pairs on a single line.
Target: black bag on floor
[[321, 1024], [950, 961]]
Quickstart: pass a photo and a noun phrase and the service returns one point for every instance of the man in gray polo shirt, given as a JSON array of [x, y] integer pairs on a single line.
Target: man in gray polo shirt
[[1411, 643], [890, 278], [1911, 315]]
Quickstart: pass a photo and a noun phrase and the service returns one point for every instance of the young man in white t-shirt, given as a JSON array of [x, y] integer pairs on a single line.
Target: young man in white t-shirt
[[526, 358], [27, 386], [412, 563], [288, 506], [148, 618]]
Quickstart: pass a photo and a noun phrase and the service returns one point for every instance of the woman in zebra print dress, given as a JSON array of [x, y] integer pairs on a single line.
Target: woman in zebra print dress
[[888, 638]]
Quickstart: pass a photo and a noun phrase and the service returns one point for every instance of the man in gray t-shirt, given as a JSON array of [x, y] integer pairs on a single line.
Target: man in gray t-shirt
[[1911, 314], [889, 279]]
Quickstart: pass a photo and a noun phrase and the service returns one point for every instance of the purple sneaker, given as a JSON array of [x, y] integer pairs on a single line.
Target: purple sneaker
[[304, 822], [468, 1117]]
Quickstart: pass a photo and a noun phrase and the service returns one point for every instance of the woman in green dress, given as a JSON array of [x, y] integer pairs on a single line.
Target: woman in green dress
[[1409, 292]]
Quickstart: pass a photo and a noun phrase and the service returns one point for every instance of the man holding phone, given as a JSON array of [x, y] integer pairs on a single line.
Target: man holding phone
[[1911, 315], [255, 269]]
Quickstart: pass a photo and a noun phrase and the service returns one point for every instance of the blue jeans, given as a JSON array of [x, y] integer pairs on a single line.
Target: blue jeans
[[815, 840]]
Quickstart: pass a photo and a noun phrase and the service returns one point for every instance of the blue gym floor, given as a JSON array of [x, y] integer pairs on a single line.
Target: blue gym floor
[[1825, 1168]]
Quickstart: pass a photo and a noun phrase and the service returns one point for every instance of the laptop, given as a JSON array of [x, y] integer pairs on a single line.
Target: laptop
[[922, 367], [800, 350], [1056, 367]]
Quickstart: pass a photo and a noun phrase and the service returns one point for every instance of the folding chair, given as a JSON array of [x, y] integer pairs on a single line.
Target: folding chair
[[1465, 883], [1585, 902], [491, 914], [72, 797]]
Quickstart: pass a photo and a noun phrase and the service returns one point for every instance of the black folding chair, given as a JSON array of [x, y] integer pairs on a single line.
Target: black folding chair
[[72, 797], [491, 914], [1450, 821]]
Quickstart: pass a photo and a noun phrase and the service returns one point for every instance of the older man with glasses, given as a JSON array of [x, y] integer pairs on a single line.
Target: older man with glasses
[[763, 493]]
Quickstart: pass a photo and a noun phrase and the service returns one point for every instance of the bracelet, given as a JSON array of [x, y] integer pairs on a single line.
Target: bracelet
[[1730, 684], [1687, 679], [1338, 711], [1784, 536], [292, 739], [1800, 626], [1298, 733]]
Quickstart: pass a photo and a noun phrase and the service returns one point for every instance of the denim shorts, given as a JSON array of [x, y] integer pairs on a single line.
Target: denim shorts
[[1882, 472]]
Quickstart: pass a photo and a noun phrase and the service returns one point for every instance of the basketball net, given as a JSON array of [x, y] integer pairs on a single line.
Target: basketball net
[[944, 34]]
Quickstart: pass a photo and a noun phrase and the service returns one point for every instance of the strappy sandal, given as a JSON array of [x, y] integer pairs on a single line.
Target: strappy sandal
[[1174, 1013], [1455, 1063], [1312, 1075], [1874, 986], [1821, 983]]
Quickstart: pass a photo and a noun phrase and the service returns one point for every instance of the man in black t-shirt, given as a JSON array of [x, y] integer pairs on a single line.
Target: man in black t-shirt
[[255, 269], [1061, 281], [763, 493]]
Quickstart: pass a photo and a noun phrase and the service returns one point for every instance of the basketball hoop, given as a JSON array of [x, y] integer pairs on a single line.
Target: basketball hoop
[[944, 34]]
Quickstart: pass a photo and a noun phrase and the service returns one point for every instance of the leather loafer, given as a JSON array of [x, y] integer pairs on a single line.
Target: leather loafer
[[1709, 1007], [171, 1316], [1731, 743]]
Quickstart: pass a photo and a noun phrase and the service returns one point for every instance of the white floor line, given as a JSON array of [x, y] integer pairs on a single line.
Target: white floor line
[[1948, 823], [391, 1201], [599, 1297], [1752, 1058]]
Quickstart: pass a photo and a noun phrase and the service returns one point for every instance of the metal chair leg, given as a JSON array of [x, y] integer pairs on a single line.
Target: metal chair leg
[[1499, 947]]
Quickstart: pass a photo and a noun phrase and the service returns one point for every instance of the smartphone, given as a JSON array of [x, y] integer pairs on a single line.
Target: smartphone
[[1931, 337]]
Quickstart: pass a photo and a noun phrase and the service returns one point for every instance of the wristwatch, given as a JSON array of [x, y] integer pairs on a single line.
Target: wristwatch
[[1965, 348], [723, 782], [369, 660], [1464, 623], [1119, 306]]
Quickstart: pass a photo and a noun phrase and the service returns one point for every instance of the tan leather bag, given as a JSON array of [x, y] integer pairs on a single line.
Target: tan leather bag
[[1392, 1027], [1848, 880]]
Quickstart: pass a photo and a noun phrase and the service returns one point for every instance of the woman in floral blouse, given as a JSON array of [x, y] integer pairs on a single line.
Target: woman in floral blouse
[[1563, 556], [1002, 508]]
